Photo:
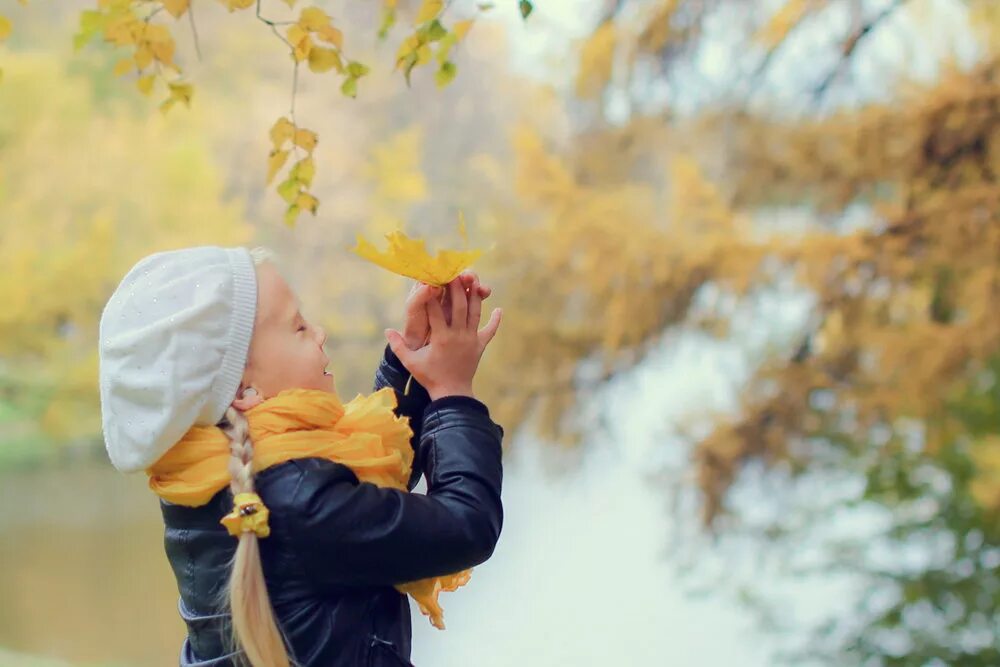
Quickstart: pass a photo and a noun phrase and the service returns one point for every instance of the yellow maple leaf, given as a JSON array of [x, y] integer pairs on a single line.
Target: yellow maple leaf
[[409, 257]]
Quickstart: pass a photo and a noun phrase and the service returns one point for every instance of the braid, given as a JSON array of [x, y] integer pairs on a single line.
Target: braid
[[241, 452], [254, 627]]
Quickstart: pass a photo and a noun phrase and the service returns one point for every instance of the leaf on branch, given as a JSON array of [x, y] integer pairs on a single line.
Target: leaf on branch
[[526, 8], [429, 10], [434, 31], [179, 92], [305, 139], [233, 5], [388, 20], [313, 18], [123, 66], [357, 70], [5, 27], [291, 214], [409, 257], [145, 84], [307, 202], [289, 190], [176, 8], [303, 171], [349, 87], [445, 74], [322, 59], [298, 37], [91, 23], [461, 29], [275, 161], [283, 130]]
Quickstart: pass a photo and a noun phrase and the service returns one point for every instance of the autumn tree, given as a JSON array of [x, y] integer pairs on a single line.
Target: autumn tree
[[898, 242]]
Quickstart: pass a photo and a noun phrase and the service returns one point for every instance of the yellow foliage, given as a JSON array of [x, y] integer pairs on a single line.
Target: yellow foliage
[[395, 167], [62, 255], [596, 60], [428, 10], [986, 485]]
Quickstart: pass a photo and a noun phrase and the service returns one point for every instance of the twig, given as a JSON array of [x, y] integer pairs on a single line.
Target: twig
[[194, 31], [851, 45]]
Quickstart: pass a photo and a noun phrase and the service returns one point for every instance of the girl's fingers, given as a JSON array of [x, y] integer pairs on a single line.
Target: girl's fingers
[[459, 304], [435, 315], [487, 333], [475, 306]]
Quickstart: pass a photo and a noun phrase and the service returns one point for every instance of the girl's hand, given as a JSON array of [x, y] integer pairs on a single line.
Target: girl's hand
[[416, 326], [446, 365]]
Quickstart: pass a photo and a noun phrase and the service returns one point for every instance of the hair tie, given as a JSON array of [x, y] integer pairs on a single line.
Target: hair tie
[[249, 515]]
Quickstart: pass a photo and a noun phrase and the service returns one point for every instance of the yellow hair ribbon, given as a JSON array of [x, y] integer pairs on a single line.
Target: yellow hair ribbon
[[249, 515]]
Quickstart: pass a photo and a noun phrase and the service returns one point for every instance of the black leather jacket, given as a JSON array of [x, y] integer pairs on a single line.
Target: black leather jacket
[[337, 546]]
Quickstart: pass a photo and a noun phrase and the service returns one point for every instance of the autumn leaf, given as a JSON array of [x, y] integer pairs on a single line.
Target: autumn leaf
[[357, 70], [306, 202], [145, 84], [282, 130], [305, 139], [303, 171], [275, 161], [349, 87], [123, 66], [233, 5], [428, 10], [176, 8], [298, 37], [5, 27], [313, 18], [445, 73], [409, 257], [289, 190], [179, 92], [461, 29], [323, 60]]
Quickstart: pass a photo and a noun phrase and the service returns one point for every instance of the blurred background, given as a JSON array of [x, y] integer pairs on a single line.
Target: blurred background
[[748, 253]]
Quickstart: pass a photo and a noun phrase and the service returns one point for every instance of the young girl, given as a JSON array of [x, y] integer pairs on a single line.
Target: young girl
[[288, 519]]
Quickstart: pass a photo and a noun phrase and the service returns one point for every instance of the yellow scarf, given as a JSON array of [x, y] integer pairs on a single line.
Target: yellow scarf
[[364, 435]]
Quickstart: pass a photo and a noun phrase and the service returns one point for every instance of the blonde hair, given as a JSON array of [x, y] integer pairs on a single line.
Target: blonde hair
[[254, 626]]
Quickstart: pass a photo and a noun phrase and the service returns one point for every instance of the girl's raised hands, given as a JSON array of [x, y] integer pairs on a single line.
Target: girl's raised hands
[[448, 363]]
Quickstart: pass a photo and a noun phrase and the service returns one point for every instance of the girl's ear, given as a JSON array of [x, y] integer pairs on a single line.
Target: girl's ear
[[246, 399]]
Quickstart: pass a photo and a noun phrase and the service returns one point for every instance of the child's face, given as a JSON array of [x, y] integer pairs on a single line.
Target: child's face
[[286, 351]]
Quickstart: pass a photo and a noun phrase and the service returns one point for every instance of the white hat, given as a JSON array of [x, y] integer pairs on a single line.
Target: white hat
[[174, 339]]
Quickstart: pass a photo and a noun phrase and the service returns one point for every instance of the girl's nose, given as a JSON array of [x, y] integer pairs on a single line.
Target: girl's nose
[[322, 336]]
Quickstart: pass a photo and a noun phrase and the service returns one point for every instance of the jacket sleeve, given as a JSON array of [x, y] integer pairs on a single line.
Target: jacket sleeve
[[392, 372], [356, 533]]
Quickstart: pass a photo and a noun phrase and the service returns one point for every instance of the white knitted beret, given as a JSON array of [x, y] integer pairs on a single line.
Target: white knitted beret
[[174, 339]]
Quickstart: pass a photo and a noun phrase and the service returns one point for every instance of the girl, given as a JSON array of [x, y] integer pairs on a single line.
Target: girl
[[215, 385]]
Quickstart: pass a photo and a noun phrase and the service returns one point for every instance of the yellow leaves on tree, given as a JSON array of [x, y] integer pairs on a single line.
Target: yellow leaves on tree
[[409, 257], [596, 61], [127, 23], [431, 40], [286, 138], [395, 168], [176, 8], [985, 485], [62, 254]]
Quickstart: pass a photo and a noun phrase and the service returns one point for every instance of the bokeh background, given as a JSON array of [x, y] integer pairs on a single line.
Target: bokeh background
[[748, 253]]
